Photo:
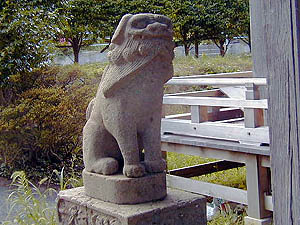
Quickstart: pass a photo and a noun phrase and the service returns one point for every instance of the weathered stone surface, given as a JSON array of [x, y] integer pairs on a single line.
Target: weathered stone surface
[[178, 208], [124, 117], [123, 190]]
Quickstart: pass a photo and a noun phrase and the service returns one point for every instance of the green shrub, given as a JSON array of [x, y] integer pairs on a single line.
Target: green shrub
[[41, 130]]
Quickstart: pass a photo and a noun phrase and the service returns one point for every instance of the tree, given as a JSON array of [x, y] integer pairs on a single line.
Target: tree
[[83, 22], [187, 18], [217, 23], [226, 19], [241, 21], [24, 39]]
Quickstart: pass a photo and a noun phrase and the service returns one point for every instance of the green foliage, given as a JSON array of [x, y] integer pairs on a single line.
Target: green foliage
[[225, 19], [70, 181], [142, 6], [229, 217], [187, 17], [41, 130], [29, 203], [242, 20], [83, 22], [24, 37], [197, 20]]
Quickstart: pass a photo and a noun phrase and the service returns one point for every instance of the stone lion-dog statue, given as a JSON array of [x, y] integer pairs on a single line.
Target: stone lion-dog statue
[[125, 116]]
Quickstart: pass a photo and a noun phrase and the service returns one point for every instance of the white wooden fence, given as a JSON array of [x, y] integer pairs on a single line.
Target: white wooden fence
[[226, 123]]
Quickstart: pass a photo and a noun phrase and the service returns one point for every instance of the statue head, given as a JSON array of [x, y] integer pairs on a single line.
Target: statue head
[[137, 40]]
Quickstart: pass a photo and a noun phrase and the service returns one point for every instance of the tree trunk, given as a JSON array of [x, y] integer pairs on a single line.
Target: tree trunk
[[76, 49], [2, 99], [186, 49], [196, 49], [249, 44], [249, 40], [76, 54], [221, 47]]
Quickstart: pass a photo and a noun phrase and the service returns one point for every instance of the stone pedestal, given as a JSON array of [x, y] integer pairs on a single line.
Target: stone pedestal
[[123, 190], [178, 208]]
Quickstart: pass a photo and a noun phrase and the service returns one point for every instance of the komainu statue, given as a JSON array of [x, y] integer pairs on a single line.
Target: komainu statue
[[124, 117]]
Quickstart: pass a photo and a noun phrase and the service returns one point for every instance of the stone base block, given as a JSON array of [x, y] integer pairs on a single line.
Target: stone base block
[[123, 190], [178, 208], [253, 221]]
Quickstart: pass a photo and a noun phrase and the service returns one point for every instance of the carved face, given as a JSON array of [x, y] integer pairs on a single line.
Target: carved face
[[137, 40], [146, 33], [150, 26]]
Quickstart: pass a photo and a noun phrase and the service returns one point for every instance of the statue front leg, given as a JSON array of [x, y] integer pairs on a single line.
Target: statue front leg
[[126, 136], [154, 162]]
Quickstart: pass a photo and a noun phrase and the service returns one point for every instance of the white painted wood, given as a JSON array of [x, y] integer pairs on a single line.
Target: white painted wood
[[206, 93], [253, 117], [211, 101], [250, 143], [208, 189], [193, 144], [254, 221], [234, 121], [179, 116], [187, 116], [196, 116], [257, 185], [268, 202], [215, 130], [243, 74], [206, 152], [217, 81], [237, 92], [265, 161]]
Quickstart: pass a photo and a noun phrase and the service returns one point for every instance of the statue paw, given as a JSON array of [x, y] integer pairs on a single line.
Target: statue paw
[[155, 166], [137, 170], [106, 166]]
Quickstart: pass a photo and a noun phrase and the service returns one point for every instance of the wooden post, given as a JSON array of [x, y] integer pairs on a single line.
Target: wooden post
[[257, 187], [203, 113], [281, 23], [253, 117], [258, 50]]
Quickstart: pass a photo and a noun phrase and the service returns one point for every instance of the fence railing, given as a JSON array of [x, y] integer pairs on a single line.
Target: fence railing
[[231, 111]]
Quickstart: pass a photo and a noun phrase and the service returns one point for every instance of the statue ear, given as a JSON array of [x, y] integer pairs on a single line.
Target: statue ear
[[118, 36]]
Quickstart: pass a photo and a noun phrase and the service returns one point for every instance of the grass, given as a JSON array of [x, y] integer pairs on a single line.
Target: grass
[[29, 204], [233, 178], [209, 65], [230, 218], [182, 65]]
